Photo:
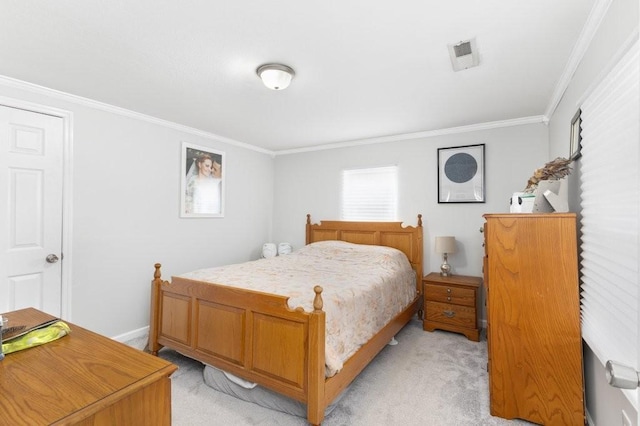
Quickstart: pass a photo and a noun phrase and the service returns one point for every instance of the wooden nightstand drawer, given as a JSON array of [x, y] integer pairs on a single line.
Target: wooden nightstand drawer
[[451, 303], [450, 294], [456, 315]]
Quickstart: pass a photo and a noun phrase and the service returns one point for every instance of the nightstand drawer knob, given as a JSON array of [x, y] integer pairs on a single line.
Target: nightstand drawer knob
[[448, 290], [448, 299], [449, 314]]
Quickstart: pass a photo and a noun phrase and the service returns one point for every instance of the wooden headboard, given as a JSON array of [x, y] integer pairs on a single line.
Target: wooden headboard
[[392, 234]]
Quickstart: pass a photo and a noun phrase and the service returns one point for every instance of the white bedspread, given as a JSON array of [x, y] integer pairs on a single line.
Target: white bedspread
[[364, 287]]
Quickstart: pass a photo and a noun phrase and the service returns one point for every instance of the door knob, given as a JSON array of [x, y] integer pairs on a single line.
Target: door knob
[[52, 258]]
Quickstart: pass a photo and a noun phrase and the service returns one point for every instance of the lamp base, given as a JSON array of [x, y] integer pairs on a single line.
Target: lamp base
[[445, 268]]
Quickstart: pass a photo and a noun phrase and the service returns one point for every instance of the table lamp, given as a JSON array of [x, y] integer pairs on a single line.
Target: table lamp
[[445, 245]]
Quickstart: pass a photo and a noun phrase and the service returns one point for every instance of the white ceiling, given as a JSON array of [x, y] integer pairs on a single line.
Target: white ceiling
[[364, 69]]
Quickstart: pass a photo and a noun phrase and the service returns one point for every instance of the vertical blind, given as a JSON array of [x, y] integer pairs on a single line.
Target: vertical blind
[[610, 207], [370, 194]]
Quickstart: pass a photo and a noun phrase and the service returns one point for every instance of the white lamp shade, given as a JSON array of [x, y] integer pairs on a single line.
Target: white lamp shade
[[445, 244], [276, 76]]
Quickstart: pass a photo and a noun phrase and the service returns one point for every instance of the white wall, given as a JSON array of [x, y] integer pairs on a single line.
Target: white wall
[[604, 403], [310, 183], [126, 198]]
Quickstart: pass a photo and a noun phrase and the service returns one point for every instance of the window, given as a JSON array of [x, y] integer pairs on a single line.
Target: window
[[370, 194], [609, 224]]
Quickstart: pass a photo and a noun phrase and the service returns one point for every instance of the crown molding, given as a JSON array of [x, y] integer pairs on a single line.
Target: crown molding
[[594, 20], [615, 59], [79, 100], [419, 135]]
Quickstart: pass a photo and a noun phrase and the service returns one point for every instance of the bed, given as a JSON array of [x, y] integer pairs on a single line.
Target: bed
[[259, 337]]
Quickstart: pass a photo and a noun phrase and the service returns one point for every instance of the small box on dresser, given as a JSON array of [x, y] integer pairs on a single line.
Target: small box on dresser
[[451, 304]]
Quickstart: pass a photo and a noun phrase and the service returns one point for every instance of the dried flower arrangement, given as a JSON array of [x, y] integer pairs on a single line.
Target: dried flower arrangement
[[556, 169]]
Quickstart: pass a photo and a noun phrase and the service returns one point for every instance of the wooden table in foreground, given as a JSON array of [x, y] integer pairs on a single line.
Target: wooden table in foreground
[[82, 379]]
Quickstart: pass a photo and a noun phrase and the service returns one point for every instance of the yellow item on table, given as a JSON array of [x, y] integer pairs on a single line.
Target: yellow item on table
[[37, 337]]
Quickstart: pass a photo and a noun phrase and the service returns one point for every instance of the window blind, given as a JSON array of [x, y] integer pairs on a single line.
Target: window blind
[[609, 199], [370, 194]]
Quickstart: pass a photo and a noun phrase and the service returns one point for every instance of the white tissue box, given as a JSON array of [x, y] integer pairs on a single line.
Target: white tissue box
[[522, 202]]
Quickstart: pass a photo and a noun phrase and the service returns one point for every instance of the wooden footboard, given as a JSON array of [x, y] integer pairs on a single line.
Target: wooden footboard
[[257, 336], [253, 335]]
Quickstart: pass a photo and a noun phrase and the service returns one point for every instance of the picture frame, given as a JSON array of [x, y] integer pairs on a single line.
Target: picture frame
[[202, 181], [461, 174], [575, 141]]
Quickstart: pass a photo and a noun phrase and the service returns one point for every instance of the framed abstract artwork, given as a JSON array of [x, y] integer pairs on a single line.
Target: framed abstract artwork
[[461, 174], [202, 181]]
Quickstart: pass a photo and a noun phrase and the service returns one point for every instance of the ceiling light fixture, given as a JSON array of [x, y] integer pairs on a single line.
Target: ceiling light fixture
[[275, 76]]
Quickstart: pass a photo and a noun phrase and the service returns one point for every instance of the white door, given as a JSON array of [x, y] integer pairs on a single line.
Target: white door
[[31, 167]]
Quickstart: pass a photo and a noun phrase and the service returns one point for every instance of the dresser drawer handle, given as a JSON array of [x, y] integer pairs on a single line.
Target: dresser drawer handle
[[448, 290], [449, 314]]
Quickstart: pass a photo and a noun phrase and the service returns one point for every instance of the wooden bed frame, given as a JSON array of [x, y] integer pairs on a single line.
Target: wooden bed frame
[[256, 335]]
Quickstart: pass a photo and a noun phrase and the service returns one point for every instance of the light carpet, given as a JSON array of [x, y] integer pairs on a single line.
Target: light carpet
[[428, 378]]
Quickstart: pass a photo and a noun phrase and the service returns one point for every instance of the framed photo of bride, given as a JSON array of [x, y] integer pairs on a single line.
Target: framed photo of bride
[[202, 181]]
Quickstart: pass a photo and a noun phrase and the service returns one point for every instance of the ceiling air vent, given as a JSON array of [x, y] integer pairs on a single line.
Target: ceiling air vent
[[464, 55]]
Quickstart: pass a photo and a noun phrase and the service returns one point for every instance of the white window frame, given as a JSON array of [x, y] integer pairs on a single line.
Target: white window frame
[[370, 194]]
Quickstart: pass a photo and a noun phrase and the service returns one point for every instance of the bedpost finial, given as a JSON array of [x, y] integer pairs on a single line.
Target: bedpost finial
[[317, 301], [157, 273], [420, 219], [308, 219]]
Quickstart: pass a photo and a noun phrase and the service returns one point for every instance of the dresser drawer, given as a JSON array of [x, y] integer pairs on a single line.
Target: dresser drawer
[[446, 313], [450, 294]]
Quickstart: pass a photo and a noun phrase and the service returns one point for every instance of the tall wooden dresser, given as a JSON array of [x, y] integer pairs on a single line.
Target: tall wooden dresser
[[533, 318]]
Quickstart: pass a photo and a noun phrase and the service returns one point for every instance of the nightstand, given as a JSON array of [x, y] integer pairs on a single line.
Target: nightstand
[[451, 304]]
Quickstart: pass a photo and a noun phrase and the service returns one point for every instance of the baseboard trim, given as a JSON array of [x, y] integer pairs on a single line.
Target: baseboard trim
[[131, 335]]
